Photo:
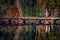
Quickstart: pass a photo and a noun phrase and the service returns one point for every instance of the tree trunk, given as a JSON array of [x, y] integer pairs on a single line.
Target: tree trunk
[[19, 28]]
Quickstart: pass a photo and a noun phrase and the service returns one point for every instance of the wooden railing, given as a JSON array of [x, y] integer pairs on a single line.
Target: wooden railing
[[11, 23]]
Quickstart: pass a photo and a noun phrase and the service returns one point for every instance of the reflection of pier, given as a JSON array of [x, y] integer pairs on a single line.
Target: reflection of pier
[[31, 21]]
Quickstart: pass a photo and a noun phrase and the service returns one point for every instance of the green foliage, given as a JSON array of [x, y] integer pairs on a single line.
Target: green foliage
[[30, 7]]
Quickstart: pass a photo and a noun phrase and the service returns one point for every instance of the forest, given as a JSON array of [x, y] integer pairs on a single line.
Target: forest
[[29, 9]]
